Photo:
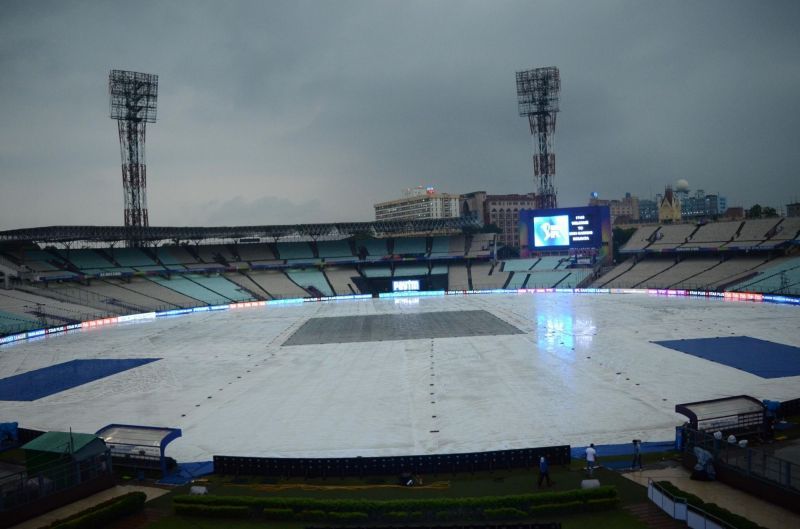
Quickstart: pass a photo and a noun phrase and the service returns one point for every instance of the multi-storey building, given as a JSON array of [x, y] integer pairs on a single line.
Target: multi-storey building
[[419, 203]]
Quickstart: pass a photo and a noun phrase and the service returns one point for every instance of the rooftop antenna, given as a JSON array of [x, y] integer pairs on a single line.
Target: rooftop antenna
[[538, 93], [133, 97]]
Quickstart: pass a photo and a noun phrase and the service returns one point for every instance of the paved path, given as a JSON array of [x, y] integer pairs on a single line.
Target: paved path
[[736, 501], [653, 517]]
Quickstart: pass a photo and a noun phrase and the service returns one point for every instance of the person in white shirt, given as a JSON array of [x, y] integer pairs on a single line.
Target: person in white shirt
[[591, 459]]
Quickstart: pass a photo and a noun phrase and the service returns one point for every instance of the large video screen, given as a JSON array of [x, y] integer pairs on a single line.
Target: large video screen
[[564, 228]]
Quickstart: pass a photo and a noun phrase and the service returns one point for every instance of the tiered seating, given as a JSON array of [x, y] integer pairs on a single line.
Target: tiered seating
[[223, 287], [41, 261], [311, 279], [671, 236], [277, 284], [546, 279], [684, 271], [614, 273], [713, 234], [548, 262], [295, 250], [83, 298], [333, 251], [244, 281], [787, 230], [377, 271], [164, 296], [86, 260], [772, 278], [376, 248], [723, 273], [640, 238], [186, 286], [440, 247], [212, 253], [257, 253], [457, 246], [132, 257], [174, 256], [484, 277], [409, 246], [342, 280], [519, 265], [753, 232], [122, 295], [481, 245], [15, 322], [458, 278], [517, 280], [55, 310], [574, 279], [405, 270], [438, 269], [640, 273]]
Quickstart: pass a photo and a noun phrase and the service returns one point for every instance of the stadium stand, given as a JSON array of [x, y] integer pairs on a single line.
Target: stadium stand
[[375, 248], [519, 265], [671, 236], [410, 269], [312, 280], [30, 303], [774, 277], [517, 280], [174, 256], [187, 286], [487, 276], [685, 270], [575, 279], [753, 232], [549, 262], [276, 284], [257, 253], [133, 257], [438, 269], [481, 245], [713, 234], [16, 322], [335, 250], [116, 293], [341, 279], [220, 285], [215, 253], [86, 259], [614, 273], [294, 250], [42, 261], [547, 279], [243, 280], [440, 247], [641, 238], [377, 271], [457, 246], [640, 273], [409, 246], [458, 277], [787, 230], [724, 272], [83, 296]]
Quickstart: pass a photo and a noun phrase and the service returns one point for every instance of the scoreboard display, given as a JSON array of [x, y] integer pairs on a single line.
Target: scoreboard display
[[564, 228]]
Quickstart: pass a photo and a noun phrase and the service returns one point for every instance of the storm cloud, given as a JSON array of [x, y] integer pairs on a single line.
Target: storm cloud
[[288, 112]]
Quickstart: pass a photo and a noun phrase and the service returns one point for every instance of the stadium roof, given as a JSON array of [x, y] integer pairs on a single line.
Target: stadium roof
[[336, 230]]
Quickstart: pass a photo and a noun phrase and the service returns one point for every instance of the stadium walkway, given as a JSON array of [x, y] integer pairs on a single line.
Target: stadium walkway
[[68, 510], [736, 501]]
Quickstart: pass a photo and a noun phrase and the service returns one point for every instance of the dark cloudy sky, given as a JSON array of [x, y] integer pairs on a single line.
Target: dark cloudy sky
[[286, 112]]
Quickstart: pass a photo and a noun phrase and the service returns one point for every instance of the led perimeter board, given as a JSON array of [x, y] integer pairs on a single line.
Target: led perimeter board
[[561, 229]]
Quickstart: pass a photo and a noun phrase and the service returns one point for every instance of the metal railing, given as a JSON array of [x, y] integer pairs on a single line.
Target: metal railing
[[679, 508]]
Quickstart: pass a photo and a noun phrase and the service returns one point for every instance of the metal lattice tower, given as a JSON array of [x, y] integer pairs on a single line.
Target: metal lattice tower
[[133, 104], [537, 93]]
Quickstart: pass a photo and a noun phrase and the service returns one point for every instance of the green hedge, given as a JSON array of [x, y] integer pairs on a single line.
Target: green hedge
[[442, 509], [213, 511], [278, 514], [740, 522], [504, 513], [104, 513]]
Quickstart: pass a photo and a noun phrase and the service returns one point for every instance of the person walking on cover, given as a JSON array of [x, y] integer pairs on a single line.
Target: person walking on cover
[[591, 459], [544, 472], [637, 454]]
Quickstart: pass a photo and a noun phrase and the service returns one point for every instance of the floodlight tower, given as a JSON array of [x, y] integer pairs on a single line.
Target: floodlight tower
[[537, 94], [133, 104]]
